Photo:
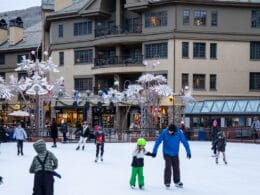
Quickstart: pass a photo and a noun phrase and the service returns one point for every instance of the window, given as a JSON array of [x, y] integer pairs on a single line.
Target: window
[[213, 82], [213, 50], [199, 50], [200, 17], [255, 19], [61, 58], [185, 49], [214, 18], [83, 56], [82, 28], [254, 81], [186, 17], [82, 84], [198, 81], [184, 80], [60, 31], [157, 50], [255, 50], [2, 59], [20, 57], [156, 19]]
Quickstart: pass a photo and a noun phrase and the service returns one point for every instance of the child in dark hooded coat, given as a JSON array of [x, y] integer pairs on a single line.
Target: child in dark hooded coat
[[43, 166]]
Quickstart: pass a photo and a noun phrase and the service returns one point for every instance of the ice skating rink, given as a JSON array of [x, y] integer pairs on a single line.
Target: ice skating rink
[[82, 176]]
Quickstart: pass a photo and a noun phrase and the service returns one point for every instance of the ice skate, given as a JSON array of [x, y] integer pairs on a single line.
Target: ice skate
[[216, 160], [179, 184], [96, 159], [77, 148], [167, 186], [101, 158], [83, 147], [225, 161], [141, 187]]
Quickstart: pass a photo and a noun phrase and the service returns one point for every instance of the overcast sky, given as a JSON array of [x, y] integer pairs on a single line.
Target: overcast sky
[[10, 5]]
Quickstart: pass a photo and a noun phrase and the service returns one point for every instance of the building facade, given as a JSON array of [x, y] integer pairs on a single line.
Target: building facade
[[213, 47]]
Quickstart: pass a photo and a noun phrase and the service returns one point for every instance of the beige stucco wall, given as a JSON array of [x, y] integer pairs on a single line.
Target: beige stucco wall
[[60, 4], [15, 35], [3, 36], [232, 68]]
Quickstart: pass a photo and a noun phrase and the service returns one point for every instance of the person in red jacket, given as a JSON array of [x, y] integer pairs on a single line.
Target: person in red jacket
[[99, 140]]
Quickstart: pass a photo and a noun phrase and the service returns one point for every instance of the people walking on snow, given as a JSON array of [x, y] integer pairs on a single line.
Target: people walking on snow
[[83, 132], [43, 166], [20, 135], [221, 146], [54, 132], [171, 138], [214, 132], [99, 140], [138, 163]]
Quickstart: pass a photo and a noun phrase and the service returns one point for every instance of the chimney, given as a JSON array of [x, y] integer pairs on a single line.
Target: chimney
[[15, 30], [3, 31], [61, 4]]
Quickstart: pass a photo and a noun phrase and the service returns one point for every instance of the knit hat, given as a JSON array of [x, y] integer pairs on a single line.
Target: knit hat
[[215, 123]]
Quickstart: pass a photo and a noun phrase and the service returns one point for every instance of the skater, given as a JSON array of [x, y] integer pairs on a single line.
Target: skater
[[214, 133], [83, 132], [54, 132], [1, 180], [43, 166], [171, 138], [64, 130], [138, 163], [221, 146], [99, 140], [256, 127], [20, 135]]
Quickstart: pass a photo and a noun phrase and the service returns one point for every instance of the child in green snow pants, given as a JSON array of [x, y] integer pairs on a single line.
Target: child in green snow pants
[[137, 171], [138, 163]]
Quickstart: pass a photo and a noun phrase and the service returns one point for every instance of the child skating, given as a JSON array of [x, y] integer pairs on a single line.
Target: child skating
[[99, 140], [221, 146], [138, 163]]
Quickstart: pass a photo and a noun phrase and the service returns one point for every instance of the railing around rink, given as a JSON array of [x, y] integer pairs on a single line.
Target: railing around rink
[[234, 134]]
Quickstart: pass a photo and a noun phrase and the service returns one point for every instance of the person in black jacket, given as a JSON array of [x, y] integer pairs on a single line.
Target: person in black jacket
[[214, 137], [83, 132], [54, 132], [64, 130], [138, 163], [221, 146], [99, 140]]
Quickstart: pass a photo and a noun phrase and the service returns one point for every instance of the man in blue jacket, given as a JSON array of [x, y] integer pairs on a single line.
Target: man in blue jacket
[[171, 138]]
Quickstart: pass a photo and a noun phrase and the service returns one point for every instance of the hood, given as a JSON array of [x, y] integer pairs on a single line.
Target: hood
[[40, 146]]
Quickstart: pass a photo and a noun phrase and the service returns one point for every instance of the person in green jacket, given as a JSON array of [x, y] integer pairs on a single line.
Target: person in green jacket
[[43, 166], [138, 163]]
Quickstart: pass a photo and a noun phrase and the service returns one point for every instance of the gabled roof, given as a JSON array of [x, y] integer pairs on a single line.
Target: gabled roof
[[32, 38]]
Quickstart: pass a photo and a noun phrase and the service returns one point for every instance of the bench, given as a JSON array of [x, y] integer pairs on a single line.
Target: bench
[[244, 133]]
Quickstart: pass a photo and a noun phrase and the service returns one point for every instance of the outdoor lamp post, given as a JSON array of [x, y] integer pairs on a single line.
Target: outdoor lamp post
[[86, 106], [99, 107]]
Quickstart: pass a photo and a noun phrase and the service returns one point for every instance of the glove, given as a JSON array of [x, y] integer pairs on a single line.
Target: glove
[[57, 174], [189, 156], [153, 155]]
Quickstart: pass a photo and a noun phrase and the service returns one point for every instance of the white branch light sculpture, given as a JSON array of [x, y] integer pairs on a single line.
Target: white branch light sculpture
[[5, 92], [36, 82]]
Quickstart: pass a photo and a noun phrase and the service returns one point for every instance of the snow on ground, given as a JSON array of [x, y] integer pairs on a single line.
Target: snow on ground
[[82, 176]]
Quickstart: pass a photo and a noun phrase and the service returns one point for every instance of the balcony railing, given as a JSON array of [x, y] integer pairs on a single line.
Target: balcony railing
[[125, 59], [115, 30]]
